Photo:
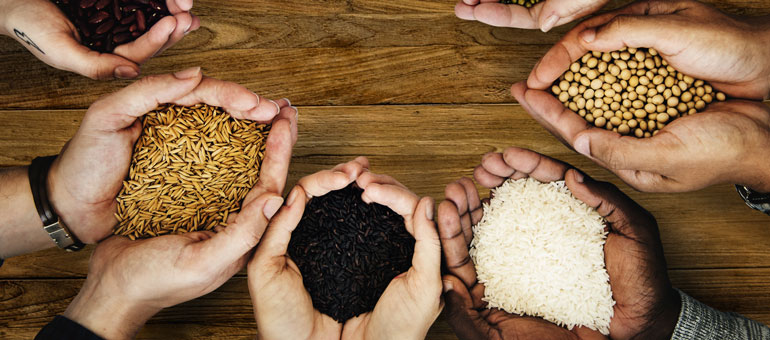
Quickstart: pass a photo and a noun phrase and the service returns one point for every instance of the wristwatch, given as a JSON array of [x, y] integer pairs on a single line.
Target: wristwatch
[[38, 180], [755, 200]]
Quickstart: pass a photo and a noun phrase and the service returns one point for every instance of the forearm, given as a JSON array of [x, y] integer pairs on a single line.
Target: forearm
[[21, 230], [700, 322]]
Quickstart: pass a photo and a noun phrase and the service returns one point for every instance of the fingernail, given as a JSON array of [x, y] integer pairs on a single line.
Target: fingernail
[[588, 35], [549, 23], [271, 206], [188, 73], [187, 30], [579, 176], [582, 145], [447, 285], [429, 211], [288, 102], [277, 108], [292, 196], [125, 72]]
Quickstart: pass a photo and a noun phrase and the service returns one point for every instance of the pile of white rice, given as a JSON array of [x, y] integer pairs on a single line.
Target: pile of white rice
[[539, 251]]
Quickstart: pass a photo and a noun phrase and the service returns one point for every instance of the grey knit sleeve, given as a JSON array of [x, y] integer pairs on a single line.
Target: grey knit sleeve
[[700, 322]]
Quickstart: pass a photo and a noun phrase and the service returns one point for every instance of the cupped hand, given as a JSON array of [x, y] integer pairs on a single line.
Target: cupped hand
[[729, 142], [543, 15], [407, 308], [46, 32], [88, 174], [129, 281], [730, 52], [647, 307]]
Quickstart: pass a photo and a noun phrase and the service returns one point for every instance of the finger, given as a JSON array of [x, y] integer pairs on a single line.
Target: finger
[[616, 152], [176, 6], [149, 43], [367, 178], [547, 110], [462, 193], [361, 160], [291, 114], [621, 212], [535, 165], [494, 164], [397, 198], [230, 246], [503, 15], [276, 240], [82, 60], [184, 25], [558, 12], [454, 243], [121, 109], [275, 166], [426, 260], [322, 182], [460, 314], [237, 100], [485, 178]]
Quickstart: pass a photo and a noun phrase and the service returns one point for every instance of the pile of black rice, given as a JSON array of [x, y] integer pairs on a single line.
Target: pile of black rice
[[348, 251]]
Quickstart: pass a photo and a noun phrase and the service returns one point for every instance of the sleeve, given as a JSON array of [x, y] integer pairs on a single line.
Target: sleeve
[[62, 328], [700, 322]]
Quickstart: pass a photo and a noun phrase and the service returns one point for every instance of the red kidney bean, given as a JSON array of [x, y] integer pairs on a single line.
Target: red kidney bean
[[98, 17], [104, 24]]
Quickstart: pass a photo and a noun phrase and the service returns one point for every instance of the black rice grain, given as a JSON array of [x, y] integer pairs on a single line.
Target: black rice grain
[[348, 251]]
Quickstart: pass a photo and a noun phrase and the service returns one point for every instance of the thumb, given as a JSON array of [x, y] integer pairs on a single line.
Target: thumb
[[236, 240], [426, 260], [632, 31], [622, 214], [278, 234], [616, 152], [70, 55]]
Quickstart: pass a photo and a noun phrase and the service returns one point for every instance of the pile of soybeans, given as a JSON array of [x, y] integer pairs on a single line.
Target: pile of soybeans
[[632, 91]]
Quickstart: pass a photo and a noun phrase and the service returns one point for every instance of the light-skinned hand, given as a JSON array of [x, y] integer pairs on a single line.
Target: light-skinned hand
[[47, 32], [407, 308], [726, 143], [88, 174], [544, 15], [647, 307]]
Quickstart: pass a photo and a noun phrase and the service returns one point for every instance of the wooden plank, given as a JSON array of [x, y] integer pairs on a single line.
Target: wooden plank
[[25, 306], [427, 147]]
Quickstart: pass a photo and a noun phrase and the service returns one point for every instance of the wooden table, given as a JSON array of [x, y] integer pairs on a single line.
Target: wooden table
[[404, 82]]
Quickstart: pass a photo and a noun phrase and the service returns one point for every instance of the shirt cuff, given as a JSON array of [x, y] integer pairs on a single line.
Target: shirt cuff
[[62, 328], [700, 322]]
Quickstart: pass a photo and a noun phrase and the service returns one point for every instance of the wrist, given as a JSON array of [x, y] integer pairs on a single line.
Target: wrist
[[662, 324], [108, 314]]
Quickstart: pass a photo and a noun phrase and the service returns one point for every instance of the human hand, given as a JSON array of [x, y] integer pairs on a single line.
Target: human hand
[[691, 36], [647, 307], [130, 281], [726, 143], [407, 308], [543, 15], [87, 176], [46, 32]]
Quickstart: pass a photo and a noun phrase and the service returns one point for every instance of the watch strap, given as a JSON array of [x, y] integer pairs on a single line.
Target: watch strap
[[755, 200], [38, 182]]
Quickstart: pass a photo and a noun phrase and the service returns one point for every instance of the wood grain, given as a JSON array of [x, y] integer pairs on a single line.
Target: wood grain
[[25, 306]]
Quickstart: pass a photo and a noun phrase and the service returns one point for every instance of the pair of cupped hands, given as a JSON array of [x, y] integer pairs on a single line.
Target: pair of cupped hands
[[130, 281], [729, 142]]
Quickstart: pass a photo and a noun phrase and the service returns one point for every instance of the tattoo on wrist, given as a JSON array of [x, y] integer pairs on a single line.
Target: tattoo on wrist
[[23, 36]]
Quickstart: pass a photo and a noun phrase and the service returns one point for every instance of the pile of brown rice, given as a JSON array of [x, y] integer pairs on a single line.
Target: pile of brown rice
[[191, 168]]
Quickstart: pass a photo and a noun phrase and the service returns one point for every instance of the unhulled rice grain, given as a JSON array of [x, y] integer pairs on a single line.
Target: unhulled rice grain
[[191, 168], [539, 251]]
